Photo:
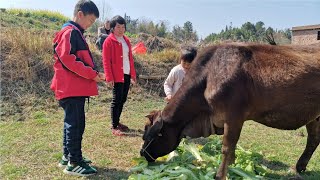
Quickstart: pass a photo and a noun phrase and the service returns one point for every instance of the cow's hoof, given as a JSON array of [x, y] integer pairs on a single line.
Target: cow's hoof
[[300, 169], [218, 177], [296, 177]]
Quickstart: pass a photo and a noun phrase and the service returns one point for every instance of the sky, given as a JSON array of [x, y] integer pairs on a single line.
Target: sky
[[206, 16]]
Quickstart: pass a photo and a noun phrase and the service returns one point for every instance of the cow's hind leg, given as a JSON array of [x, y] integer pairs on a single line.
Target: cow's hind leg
[[313, 129]]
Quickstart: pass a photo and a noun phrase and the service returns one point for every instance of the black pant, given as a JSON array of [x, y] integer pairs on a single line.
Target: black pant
[[74, 125], [120, 93], [99, 42]]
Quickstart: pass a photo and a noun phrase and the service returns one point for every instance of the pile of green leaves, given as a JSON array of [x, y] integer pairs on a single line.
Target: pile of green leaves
[[198, 162]]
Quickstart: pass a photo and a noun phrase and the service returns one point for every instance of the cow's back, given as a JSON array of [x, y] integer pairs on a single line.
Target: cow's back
[[278, 86]]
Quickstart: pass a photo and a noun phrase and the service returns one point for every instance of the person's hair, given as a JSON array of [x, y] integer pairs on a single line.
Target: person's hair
[[188, 53], [117, 19], [87, 7]]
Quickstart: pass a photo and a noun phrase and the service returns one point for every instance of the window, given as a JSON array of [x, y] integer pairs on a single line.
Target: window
[[318, 35]]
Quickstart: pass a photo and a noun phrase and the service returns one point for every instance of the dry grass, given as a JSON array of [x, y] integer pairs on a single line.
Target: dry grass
[[26, 69], [26, 53], [157, 64], [164, 56]]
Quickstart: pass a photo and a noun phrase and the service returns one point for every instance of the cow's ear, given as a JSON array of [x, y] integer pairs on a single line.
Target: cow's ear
[[155, 129], [152, 116]]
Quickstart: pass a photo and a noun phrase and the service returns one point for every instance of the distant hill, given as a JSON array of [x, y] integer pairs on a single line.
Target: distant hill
[[32, 19]]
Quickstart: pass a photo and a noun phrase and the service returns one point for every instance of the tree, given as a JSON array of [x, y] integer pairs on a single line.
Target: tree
[[188, 30], [151, 28], [249, 31], [177, 33], [132, 26], [287, 33], [142, 26], [162, 29], [213, 37], [260, 30], [252, 33]]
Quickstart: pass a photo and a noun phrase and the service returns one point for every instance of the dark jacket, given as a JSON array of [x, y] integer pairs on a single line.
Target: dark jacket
[[103, 32]]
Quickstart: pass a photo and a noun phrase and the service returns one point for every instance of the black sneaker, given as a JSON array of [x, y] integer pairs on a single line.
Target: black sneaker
[[64, 161], [79, 169]]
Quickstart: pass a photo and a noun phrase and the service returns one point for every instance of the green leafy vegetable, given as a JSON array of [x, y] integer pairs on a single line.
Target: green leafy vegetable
[[198, 162]]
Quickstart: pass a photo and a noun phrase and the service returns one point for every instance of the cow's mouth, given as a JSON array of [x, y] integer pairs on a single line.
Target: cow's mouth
[[145, 154]]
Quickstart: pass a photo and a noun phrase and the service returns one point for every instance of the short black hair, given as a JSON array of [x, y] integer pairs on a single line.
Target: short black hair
[[87, 7], [188, 53], [117, 19]]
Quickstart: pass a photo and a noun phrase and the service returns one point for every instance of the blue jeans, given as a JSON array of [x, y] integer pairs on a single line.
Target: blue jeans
[[73, 129]]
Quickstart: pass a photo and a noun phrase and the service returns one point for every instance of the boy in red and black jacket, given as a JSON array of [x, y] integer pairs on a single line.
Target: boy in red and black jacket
[[75, 79]]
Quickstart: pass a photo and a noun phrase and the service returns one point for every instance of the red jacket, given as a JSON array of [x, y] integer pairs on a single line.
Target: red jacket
[[113, 61], [73, 68]]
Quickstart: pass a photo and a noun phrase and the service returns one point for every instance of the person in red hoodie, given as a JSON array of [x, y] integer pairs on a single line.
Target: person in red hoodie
[[74, 80], [119, 70]]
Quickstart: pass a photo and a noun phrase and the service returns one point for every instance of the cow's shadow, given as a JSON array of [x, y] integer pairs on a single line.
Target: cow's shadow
[[109, 173], [309, 175], [291, 174], [275, 165]]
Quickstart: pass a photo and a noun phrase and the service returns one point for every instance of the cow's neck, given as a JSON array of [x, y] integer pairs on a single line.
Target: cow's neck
[[186, 104]]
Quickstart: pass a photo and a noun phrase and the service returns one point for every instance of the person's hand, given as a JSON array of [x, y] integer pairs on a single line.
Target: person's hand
[[110, 84], [168, 98], [133, 82], [100, 77]]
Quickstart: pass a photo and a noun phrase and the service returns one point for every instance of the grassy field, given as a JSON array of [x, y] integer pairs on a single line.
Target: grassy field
[[31, 149]]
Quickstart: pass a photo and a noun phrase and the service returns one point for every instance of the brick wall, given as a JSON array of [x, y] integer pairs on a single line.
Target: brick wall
[[305, 37]]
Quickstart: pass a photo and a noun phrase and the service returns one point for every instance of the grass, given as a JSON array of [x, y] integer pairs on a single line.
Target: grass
[[280, 148], [31, 149], [29, 18], [34, 145]]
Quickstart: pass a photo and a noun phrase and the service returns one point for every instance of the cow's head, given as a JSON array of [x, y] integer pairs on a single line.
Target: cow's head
[[160, 138]]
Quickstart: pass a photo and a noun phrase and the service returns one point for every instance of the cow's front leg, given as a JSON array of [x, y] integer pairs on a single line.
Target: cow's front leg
[[231, 136]]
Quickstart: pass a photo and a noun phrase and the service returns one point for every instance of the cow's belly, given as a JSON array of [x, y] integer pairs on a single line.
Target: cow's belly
[[287, 120]]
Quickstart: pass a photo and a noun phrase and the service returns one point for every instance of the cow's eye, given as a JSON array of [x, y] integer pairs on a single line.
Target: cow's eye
[[159, 134]]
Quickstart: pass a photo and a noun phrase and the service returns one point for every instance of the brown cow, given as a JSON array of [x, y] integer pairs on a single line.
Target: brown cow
[[278, 86]]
